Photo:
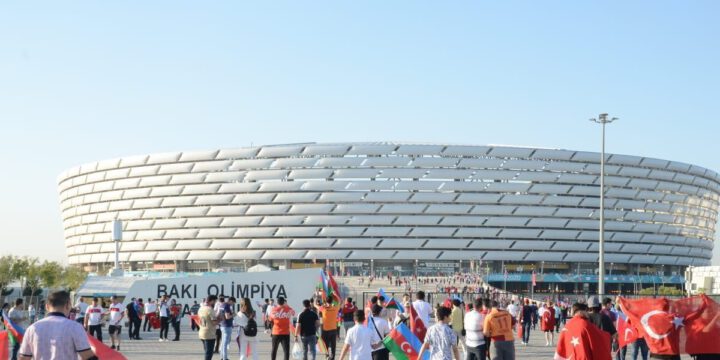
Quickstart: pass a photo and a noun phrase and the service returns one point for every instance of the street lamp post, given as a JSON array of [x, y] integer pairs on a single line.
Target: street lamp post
[[603, 120]]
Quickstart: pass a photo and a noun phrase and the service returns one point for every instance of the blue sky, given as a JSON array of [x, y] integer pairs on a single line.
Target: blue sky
[[87, 80]]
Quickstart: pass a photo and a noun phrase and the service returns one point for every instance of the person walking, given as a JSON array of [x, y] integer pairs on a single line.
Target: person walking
[[329, 314], [526, 318], [194, 311], [93, 319], [18, 316], [474, 337], [150, 311], [379, 329], [281, 315], [131, 312], [498, 326], [117, 314], [347, 314], [308, 323], [422, 307], [55, 336], [164, 312], [358, 342], [219, 306], [175, 317], [440, 339], [227, 314], [247, 330], [547, 322], [31, 313], [208, 322], [80, 308], [456, 319]]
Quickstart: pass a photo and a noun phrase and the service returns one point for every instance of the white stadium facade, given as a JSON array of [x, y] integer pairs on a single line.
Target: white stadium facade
[[506, 211]]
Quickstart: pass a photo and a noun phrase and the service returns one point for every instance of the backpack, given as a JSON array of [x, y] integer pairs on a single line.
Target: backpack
[[250, 329]]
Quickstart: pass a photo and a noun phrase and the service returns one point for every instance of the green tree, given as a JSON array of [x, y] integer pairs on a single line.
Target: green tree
[[50, 273], [7, 275], [73, 277]]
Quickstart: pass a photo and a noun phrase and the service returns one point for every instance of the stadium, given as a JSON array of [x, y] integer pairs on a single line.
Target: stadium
[[404, 208]]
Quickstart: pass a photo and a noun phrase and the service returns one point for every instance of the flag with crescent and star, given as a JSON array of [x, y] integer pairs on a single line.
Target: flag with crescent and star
[[582, 340], [403, 344], [103, 351], [417, 325], [659, 322], [703, 331], [626, 332]]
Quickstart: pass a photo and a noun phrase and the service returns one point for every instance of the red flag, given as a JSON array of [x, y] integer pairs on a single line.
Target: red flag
[[195, 319], [4, 345], [658, 321], [102, 351], [417, 326], [702, 331], [581, 340], [547, 320], [534, 278], [626, 332]]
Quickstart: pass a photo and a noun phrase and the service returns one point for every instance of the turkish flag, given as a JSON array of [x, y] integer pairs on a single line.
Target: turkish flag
[[417, 326], [659, 322], [626, 332], [702, 330], [582, 340], [547, 321], [4, 345], [102, 351]]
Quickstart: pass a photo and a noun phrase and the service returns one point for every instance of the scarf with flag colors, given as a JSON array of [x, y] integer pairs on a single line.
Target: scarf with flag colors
[[104, 352], [4, 345], [15, 332], [403, 344], [582, 340], [417, 325]]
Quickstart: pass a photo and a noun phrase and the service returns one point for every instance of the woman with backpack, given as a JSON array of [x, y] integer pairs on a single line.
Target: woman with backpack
[[247, 333]]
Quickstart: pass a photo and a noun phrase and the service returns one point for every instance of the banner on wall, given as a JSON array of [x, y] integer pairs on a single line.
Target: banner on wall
[[294, 285]]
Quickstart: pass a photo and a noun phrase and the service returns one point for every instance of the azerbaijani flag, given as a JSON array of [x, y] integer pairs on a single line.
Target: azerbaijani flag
[[15, 332], [394, 304], [403, 344], [381, 292], [325, 285], [329, 286], [4, 345]]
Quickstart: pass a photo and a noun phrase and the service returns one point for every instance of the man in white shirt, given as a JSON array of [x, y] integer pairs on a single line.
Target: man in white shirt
[[117, 313], [150, 308], [81, 306], [379, 328], [422, 307], [55, 336], [513, 309], [358, 340], [19, 317], [93, 319], [474, 338], [164, 318]]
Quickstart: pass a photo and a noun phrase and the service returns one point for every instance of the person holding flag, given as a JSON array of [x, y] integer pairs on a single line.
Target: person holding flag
[[347, 314], [17, 318], [547, 322], [358, 342], [440, 339], [380, 328], [328, 314], [56, 337]]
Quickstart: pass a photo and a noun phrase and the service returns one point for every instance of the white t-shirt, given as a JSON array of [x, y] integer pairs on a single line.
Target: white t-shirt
[[382, 326], [150, 308], [83, 307], [513, 310], [474, 329], [116, 313], [424, 310], [163, 309], [360, 340], [94, 315], [18, 317]]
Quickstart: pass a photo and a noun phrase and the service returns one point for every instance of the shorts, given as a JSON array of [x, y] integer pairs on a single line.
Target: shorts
[[112, 329]]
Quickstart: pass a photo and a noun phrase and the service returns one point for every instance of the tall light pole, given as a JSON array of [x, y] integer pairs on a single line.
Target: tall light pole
[[603, 120]]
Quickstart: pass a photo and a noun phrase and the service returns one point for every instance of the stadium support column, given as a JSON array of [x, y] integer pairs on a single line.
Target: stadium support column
[[117, 237], [602, 120]]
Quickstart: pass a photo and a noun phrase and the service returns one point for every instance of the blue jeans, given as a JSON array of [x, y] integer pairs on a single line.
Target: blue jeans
[[208, 347], [476, 353], [526, 332], [640, 346], [226, 332], [308, 343]]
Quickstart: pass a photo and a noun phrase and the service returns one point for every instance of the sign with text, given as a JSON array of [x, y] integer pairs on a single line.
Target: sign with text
[[294, 285]]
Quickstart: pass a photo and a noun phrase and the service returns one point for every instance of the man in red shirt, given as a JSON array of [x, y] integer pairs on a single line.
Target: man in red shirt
[[281, 316], [347, 314]]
